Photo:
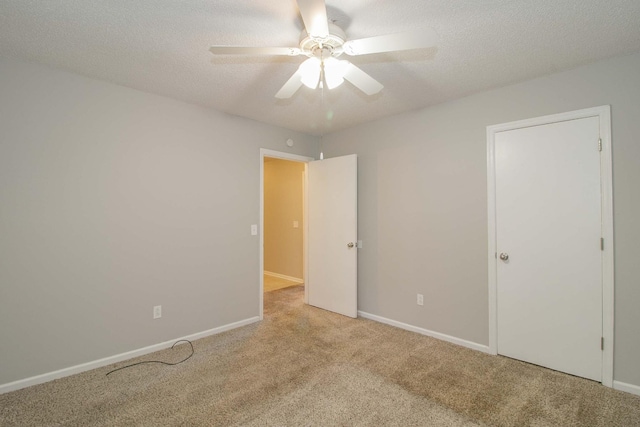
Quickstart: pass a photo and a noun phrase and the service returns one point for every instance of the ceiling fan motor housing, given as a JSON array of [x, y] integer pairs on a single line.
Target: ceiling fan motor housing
[[330, 45]]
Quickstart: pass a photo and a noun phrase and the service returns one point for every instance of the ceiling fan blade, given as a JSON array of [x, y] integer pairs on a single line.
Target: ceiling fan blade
[[246, 50], [290, 87], [314, 15], [392, 42], [362, 80]]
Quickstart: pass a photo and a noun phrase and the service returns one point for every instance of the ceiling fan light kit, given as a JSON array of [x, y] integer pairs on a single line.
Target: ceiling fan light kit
[[334, 72], [310, 71], [323, 42]]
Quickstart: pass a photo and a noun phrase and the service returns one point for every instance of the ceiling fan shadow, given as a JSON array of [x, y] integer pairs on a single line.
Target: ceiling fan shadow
[[338, 17], [257, 59], [416, 55]]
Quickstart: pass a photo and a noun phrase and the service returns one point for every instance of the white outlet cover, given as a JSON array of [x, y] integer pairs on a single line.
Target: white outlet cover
[[157, 312]]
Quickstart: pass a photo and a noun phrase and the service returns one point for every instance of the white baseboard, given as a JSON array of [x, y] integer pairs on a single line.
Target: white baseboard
[[282, 276], [438, 335], [629, 388], [43, 378]]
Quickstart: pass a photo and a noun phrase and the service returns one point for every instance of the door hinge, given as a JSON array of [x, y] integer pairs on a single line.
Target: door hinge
[[602, 243], [601, 343], [600, 144]]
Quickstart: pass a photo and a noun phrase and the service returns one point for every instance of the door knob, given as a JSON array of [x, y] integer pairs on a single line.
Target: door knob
[[504, 256], [350, 245]]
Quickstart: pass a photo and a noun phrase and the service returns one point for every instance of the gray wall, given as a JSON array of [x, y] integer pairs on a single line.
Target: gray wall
[[112, 201], [423, 202]]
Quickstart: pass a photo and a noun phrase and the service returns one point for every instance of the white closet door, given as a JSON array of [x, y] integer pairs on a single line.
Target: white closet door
[[548, 224]]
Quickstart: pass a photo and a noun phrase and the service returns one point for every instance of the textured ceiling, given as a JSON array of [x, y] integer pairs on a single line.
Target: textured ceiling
[[161, 46]]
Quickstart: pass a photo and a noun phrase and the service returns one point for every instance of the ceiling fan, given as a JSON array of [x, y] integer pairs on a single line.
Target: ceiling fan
[[323, 42]]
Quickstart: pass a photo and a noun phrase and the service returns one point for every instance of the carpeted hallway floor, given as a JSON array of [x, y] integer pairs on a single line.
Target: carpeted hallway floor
[[303, 366]]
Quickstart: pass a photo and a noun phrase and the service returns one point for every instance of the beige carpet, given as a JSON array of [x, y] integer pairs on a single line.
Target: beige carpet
[[303, 366]]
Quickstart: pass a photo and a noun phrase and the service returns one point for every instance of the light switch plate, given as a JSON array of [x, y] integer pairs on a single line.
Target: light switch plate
[[295, 224], [254, 229]]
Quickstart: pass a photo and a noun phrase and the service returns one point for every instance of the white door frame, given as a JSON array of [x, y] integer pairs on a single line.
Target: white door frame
[[284, 156], [606, 182]]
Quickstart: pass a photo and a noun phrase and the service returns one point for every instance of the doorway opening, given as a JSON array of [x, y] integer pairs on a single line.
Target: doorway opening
[[282, 222], [329, 232]]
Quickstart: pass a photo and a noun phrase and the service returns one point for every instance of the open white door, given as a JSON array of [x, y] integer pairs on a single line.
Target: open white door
[[332, 235]]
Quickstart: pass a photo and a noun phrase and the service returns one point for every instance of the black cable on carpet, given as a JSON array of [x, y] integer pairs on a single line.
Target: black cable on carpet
[[158, 361]]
